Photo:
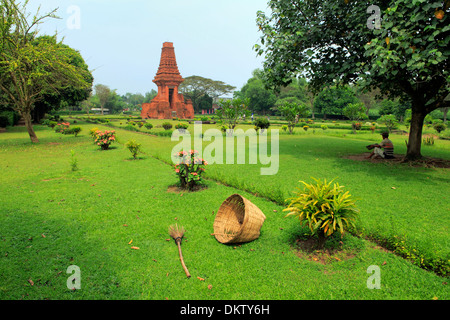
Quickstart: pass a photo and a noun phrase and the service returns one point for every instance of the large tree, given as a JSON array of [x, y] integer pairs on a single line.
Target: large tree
[[70, 96], [29, 68], [197, 87], [340, 41]]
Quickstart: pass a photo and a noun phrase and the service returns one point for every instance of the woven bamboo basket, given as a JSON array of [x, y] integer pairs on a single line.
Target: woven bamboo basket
[[238, 220]]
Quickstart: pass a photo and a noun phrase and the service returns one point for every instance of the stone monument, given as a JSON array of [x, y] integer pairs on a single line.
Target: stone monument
[[168, 103]]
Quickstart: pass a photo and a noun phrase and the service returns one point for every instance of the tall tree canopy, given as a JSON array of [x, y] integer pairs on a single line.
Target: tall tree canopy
[[68, 96], [195, 88], [30, 68], [334, 42]]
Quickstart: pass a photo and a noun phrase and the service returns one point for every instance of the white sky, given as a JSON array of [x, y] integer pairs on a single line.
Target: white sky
[[121, 40]]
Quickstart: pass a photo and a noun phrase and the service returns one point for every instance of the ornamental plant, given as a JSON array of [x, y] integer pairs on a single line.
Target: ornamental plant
[[189, 169], [181, 127], [167, 125], [134, 147], [62, 127], [104, 138], [262, 123], [324, 208]]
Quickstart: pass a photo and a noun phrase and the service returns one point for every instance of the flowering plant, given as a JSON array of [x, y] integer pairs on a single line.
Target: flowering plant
[[62, 127], [105, 138], [189, 169]]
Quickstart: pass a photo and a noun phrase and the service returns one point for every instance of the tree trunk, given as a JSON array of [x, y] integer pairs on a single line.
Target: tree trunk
[[28, 123], [415, 135], [445, 111]]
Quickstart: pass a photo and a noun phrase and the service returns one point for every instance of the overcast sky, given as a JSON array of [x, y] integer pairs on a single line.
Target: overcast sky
[[121, 40]]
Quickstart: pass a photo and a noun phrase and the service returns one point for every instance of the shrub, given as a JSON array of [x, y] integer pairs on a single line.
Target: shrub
[[134, 147], [189, 169], [389, 121], [140, 124], [325, 208], [439, 127], [181, 126], [148, 126], [104, 138], [262, 123], [284, 127], [324, 127], [62, 127], [305, 128], [167, 125], [76, 130]]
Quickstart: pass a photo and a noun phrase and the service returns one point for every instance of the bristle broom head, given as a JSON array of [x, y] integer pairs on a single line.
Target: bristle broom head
[[176, 232]]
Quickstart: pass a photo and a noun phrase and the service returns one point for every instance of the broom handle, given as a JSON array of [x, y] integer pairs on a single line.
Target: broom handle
[[182, 260]]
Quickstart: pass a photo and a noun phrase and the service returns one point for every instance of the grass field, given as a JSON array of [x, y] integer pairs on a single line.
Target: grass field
[[53, 217]]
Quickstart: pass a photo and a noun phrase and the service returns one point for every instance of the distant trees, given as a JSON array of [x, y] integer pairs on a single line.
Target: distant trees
[[202, 91], [333, 100]]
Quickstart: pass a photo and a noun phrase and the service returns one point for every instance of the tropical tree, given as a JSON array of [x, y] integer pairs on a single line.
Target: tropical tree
[[231, 110], [293, 112], [338, 42], [196, 87], [71, 96], [29, 68], [103, 93]]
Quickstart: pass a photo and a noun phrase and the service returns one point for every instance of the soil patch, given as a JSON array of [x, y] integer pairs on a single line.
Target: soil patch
[[308, 249], [399, 159], [176, 189]]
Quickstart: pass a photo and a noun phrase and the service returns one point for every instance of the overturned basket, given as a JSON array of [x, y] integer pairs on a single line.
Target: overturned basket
[[238, 220]]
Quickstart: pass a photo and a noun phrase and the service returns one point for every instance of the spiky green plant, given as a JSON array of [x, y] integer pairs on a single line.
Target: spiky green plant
[[325, 207]]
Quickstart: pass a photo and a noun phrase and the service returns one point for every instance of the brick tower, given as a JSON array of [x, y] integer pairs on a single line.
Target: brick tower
[[168, 103]]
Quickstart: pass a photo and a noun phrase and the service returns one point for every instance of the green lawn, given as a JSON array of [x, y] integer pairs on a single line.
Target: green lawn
[[52, 218]]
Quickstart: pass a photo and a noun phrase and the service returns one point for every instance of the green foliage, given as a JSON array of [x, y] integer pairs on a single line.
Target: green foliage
[[262, 123], [148, 126], [439, 126], [261, 100], [134, 147], [324, 208], [201, 91], [333, 100], [390, 121], [167, 125], [355, 111], [42, 64], [292, 112], [182, 126], [231, 110]]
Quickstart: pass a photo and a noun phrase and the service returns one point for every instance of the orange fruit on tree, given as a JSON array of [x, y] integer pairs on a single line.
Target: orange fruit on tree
[[439, 14]]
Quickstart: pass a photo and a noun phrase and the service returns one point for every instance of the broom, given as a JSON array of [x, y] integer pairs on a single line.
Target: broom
[[177, 234]]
